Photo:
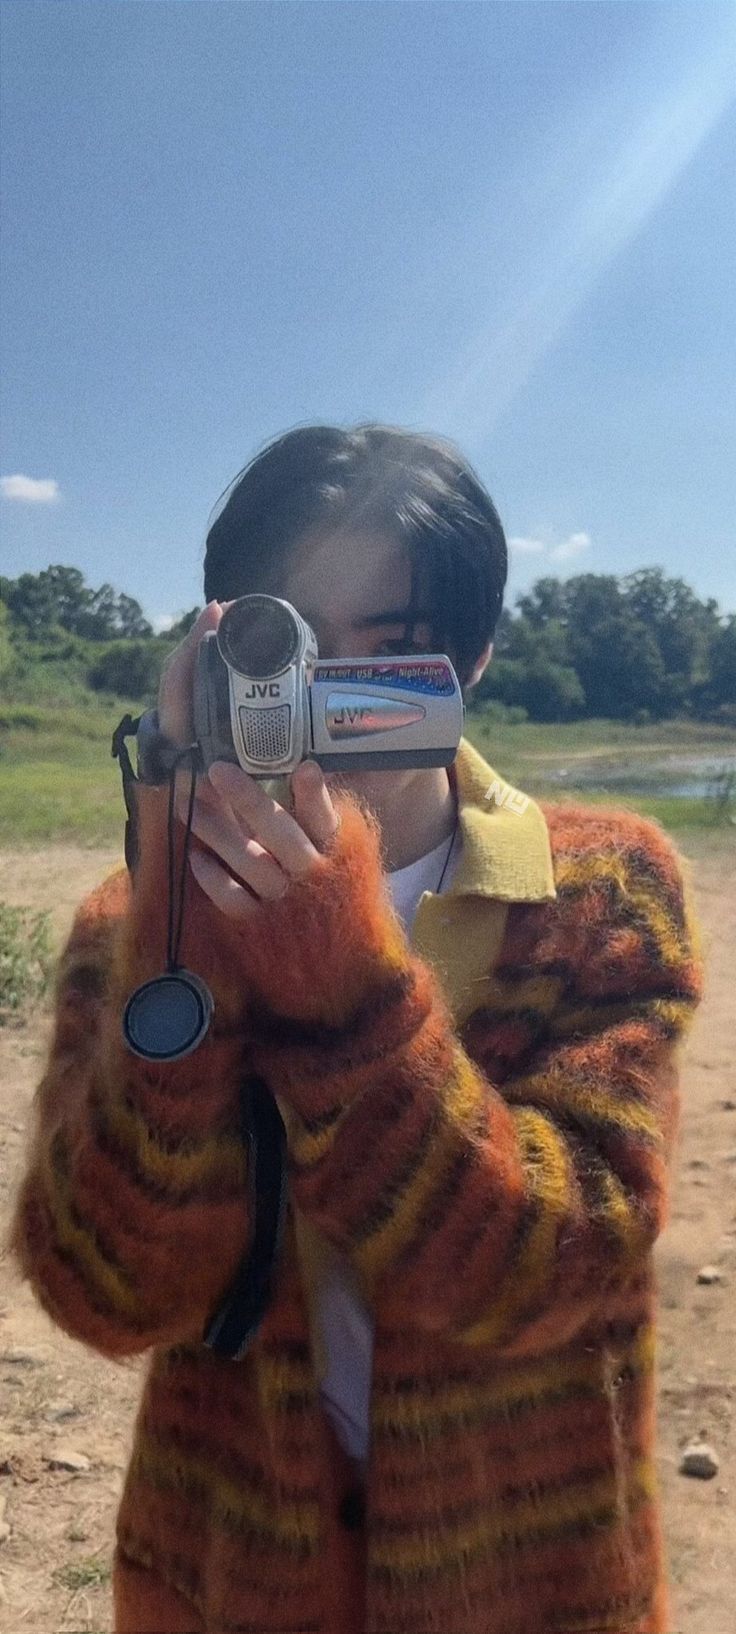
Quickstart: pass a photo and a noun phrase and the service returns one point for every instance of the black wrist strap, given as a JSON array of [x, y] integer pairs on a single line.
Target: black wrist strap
[[232, 1329], [127, 728], [230, 1332]]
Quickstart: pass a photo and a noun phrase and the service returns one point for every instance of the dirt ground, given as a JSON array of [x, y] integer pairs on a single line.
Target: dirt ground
[[59, 1401]]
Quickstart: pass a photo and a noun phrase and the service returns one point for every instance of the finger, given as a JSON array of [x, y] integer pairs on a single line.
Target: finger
[[177, 678], [276, 830], [234, 901], [216, 827], [313, 807]]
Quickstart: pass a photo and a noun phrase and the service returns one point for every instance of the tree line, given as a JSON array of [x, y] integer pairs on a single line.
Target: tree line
[[639, 647], [99, 638]]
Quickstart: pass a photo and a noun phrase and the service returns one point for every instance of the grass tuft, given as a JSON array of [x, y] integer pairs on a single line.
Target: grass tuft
[[26, 959], [82, 1574]]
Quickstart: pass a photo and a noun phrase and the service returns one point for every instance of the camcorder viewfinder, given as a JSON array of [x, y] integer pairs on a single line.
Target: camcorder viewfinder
[[265, 700]]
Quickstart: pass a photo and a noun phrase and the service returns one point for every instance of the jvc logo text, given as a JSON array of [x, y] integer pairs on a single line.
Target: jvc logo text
[[350, 714], [262, 689]]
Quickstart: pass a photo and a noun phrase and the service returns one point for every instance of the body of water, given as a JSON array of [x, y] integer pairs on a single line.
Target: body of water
[[692, 777]]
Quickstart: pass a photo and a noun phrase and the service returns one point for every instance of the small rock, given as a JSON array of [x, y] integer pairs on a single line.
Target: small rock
[[729, 1157], [698, 1163], [67, 1458], [21, 1358], [729, 1105], [699, 1459], [58, 1411], [4, 1531], [709, 1274]]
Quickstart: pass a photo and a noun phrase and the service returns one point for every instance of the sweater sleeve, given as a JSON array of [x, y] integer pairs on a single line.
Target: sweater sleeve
[[491, 1187], [132, 1215]]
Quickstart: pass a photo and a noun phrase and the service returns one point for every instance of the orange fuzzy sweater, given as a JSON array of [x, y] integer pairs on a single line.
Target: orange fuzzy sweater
[[483, 1122]]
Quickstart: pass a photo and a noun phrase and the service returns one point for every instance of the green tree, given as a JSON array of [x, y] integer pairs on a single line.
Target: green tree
[[7, 655], [59, 596], [70, 594], [546, 600], [723, 663], [182, 626], [621, 669], [129, 668], [131, 622], [31, 602], [682, 625]]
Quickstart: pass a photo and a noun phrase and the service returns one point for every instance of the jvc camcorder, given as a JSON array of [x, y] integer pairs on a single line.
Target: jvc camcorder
[[265, 700]]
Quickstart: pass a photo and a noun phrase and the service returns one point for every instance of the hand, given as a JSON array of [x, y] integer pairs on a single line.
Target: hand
[[264, 846], [176, 686]]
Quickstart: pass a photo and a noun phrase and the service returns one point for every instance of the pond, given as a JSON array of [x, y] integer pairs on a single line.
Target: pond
[[692, 777]]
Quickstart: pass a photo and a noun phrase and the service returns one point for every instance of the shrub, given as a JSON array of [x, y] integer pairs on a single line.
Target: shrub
[[720, 796], [129, 668], [26, 958]]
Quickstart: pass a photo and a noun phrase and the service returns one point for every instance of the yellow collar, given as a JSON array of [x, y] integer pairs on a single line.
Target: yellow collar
[[506, 850]]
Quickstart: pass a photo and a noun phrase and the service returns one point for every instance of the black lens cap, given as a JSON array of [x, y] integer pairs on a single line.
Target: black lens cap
[[167, 1018]]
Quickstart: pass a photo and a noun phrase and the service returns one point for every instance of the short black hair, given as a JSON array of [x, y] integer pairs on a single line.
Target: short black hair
[[416, 489]]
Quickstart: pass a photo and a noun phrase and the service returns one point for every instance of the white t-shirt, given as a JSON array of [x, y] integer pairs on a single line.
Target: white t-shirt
[[346, 1325]]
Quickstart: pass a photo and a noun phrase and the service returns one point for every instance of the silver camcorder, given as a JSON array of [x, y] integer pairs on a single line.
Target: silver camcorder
[[265, 700]]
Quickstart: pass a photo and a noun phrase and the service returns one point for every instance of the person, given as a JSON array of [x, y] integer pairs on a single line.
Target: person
[[469, 1008]]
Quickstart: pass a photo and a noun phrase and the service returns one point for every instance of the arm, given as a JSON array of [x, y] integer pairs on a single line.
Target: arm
[[492, 1200], [132, 1215]]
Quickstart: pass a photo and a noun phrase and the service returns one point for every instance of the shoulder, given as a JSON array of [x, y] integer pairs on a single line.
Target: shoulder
[[592, 845], [622, 904], [91, 941], [104, 906]]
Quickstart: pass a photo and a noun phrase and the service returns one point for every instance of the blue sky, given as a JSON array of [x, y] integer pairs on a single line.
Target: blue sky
[[512, 224]]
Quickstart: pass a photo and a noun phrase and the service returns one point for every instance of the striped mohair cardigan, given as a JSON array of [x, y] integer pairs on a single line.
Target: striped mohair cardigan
[[483, 1122]]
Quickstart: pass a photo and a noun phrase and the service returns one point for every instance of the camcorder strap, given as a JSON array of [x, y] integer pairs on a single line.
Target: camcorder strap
[[233, 1328], [127, 728]]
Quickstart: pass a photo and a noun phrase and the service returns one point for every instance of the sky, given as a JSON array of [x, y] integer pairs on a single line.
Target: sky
[[511, 224]]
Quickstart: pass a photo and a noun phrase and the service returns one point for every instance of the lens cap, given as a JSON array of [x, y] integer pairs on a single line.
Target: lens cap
[[167, 1018]]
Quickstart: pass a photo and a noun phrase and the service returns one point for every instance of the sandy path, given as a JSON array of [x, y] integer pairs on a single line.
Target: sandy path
[[54, 1394]]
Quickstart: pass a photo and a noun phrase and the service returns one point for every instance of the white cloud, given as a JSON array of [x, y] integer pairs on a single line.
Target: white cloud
[[564, 551], [161, 622], [30, 490], [574, 545], [528, 547]]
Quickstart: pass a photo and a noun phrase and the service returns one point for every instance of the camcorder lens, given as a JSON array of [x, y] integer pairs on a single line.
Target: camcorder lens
[[258, 637]]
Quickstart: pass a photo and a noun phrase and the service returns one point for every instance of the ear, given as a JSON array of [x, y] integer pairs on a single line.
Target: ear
[[480, 666]]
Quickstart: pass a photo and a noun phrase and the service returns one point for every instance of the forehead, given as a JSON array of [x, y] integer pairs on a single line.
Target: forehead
[[341, 577]]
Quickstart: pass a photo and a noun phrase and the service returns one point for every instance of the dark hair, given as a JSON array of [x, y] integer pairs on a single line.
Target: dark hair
[[418, 490]]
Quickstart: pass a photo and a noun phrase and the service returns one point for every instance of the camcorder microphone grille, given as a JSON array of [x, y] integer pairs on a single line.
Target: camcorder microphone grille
[[266, 732]]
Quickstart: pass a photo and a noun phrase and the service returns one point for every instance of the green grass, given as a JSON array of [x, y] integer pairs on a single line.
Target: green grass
[[535, 742], [26, 958], [82, 1574], [58, 781]]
